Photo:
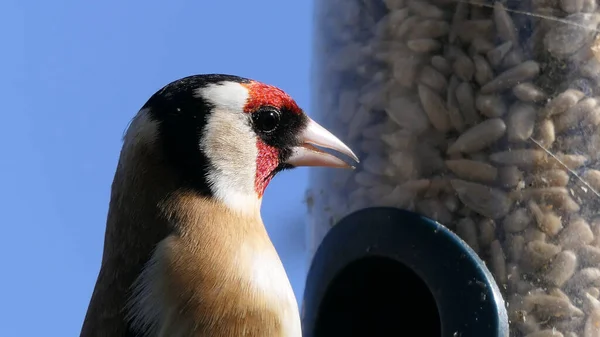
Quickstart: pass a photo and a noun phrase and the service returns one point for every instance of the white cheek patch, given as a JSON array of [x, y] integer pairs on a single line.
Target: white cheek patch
[[230, 145]]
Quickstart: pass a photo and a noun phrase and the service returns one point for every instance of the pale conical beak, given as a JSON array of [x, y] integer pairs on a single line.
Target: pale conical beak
[[308, 155]]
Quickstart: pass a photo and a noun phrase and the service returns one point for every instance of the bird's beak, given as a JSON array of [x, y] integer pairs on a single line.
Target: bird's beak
[[308, 155]]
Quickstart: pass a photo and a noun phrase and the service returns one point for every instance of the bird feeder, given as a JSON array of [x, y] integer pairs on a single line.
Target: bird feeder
[[474, 209]]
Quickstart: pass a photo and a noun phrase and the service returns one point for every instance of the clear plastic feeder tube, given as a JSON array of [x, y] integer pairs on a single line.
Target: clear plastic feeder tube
[[484, 116]]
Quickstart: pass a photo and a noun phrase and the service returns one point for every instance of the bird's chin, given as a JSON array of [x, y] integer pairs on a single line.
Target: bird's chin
[[279, 168]]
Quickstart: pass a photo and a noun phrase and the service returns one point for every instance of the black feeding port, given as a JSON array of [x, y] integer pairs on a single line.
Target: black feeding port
[[377, 296], [387, 272]]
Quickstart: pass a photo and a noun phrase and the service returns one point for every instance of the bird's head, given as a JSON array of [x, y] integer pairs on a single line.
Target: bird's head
[[228, 136]]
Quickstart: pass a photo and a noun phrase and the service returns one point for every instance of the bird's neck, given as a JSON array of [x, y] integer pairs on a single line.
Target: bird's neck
[[219, 268]]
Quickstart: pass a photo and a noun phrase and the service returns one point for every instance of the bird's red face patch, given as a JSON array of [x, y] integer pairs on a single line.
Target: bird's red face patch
[[261, 94], [266, 163]]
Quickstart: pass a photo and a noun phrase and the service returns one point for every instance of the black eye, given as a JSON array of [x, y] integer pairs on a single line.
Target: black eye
[[266, 119]]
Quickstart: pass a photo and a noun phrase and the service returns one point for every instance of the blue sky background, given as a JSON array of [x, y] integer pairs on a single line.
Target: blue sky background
[[73, 73]]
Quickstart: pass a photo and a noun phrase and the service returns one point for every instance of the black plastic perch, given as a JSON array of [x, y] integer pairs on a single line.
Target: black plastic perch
[[388, 272]]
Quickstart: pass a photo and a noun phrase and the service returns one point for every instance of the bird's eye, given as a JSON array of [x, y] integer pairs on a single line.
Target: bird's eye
[[266, 119]]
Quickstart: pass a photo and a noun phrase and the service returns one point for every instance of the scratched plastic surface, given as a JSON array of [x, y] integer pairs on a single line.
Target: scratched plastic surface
[[483, 116]]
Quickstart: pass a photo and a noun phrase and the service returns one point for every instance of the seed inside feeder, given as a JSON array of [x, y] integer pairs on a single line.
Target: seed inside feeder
[[486, 119]]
